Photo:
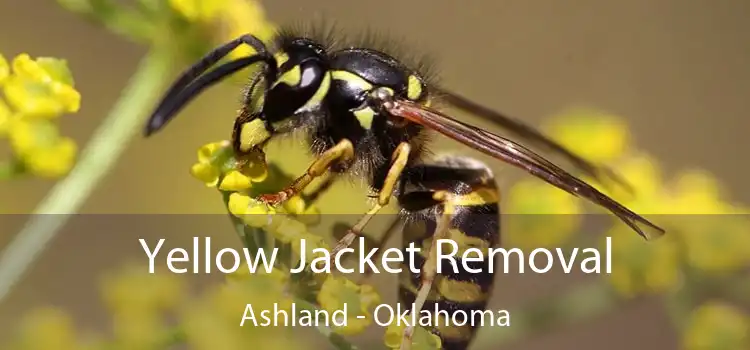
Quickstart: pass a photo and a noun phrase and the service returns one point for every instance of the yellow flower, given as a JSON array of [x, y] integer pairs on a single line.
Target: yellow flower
[[198, 10], [235, 181], [39, 146], [6, 116], [48, 329], [640, 267], [53, 161], [597, 136], [133, 288], [205, 172], [253, 213], [4, 69], [239, 17], [215, 161], [714, 234], [697, 192], [277, 277], [41, 88], [338, 292], [542, 215], [295, 205], [138, 328], [422, 339], [286, 230], [717, 326], [716, 243], [213, 321]]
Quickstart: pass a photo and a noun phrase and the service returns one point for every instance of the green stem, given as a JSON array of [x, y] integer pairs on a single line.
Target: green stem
[[96, 160]]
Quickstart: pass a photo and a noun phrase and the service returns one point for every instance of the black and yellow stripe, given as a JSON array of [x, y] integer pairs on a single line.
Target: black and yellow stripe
[[475, 224]]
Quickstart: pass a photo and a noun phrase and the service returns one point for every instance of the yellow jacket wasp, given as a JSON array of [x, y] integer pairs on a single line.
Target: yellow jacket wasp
[[367, 113]]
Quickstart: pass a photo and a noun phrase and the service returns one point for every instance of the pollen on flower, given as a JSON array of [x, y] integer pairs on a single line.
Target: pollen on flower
[[338, 291]]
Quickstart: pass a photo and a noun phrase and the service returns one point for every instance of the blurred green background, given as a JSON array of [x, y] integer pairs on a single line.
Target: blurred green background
[[675, 71]]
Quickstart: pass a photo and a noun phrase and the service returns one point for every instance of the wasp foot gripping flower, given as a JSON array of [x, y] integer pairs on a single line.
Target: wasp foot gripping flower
[[37, 93], [216, 163], [640, 267], [217, 167], [544, 216], [338, 292], [717, 326], [422, 339]]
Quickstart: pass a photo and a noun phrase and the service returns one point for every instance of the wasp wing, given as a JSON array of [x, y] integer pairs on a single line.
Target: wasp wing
[[526, 132], [517, 155]]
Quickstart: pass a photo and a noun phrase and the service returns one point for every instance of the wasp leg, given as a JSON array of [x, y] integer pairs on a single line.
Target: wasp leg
[[341, 152], [398, 163], [429, 269], [313, 196]]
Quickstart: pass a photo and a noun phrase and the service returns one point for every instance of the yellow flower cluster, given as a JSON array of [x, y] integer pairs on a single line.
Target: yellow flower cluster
[[337, 292], [217, 167], [138, 301], [36, 93], [704, 231], [156, 311], [50, 329], [216, 164]]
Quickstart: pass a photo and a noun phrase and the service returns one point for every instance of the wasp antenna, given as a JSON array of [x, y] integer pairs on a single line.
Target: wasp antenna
[[171, 107], [175, 96]]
